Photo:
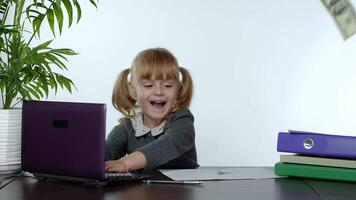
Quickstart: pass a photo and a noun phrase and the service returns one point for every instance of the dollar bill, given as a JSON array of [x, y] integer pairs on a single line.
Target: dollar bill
[[344, 15]]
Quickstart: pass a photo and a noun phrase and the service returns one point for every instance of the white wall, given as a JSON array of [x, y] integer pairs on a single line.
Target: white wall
[[258, 67]]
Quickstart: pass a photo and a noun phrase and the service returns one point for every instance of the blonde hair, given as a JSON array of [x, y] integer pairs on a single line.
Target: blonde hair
[[158, 63]]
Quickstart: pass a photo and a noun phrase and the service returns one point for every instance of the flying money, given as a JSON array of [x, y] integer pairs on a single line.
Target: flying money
[[344, 15]]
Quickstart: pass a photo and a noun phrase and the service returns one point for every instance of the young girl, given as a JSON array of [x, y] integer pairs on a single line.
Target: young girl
[[157, 130]]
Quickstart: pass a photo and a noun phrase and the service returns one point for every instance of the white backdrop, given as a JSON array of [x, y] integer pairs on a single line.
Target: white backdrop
[[258, 67]]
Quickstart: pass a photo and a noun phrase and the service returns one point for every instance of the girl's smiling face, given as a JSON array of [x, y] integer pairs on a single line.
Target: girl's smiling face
[[156, 98]]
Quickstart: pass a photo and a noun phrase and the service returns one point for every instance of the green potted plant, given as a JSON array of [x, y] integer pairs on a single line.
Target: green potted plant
[[28, 70]]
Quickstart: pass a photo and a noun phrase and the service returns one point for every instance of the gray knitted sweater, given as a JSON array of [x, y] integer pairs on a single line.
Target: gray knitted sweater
[[174, 148]]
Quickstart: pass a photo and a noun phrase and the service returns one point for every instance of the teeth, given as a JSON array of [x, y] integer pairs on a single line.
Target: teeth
[[158, 103]]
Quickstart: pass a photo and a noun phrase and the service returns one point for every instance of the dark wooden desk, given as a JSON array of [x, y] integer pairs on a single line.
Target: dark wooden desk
[[24, 188]]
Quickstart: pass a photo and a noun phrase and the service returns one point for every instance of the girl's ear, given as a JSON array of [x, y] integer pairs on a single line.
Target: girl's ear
[[132, 90]]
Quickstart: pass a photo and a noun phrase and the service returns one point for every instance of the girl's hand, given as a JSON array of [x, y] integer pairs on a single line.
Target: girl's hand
[[133, 161], [116, 166]]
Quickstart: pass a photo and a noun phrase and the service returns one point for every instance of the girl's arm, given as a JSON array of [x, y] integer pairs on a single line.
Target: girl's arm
[[116, 150], [116, 143], [133, 161]]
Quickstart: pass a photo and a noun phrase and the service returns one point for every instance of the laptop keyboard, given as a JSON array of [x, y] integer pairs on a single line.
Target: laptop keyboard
[[123, 176]]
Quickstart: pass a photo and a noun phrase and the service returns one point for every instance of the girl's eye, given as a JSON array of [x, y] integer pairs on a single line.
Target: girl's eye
[[147, 86], [168, 86]]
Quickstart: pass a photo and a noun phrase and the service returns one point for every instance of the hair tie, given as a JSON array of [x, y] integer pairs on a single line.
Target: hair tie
[[180, 75], [129, 76]]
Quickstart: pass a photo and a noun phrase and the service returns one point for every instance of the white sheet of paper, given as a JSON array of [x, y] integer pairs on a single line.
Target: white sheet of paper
[[220, 173]]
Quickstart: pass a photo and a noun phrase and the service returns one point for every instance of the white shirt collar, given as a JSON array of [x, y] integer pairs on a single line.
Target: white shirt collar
[[141, 129]]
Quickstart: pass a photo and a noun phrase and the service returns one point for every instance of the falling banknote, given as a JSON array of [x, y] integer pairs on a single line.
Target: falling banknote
[[344, 15]]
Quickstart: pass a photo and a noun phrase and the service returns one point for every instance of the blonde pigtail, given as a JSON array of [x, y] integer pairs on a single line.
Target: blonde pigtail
[[186, 91], [121, 96]]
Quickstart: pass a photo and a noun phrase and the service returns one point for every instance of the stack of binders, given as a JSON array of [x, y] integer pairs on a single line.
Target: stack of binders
[[316, 155]]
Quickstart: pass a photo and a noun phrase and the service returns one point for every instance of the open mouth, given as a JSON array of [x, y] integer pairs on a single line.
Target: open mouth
[[158, 103]]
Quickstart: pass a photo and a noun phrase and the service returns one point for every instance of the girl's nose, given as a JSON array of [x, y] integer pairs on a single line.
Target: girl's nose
[[158, 90]]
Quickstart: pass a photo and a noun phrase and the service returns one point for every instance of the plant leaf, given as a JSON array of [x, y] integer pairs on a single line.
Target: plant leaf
[[25, 94], [43, 45], [64, 51], [59, 2], [36, 88], [59, 15], [59, 79], [79, 10], [69, 9], [67, 83], [32, 91], [35, 13], [52, 82], [4, 4], [50, 19], [36, 24], [93, 2], [55, 61]]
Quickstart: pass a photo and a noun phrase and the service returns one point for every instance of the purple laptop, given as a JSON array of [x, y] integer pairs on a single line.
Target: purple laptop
[[65, 140]]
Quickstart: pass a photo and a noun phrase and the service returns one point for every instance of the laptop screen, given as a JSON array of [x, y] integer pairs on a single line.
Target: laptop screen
[[64, 138]]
